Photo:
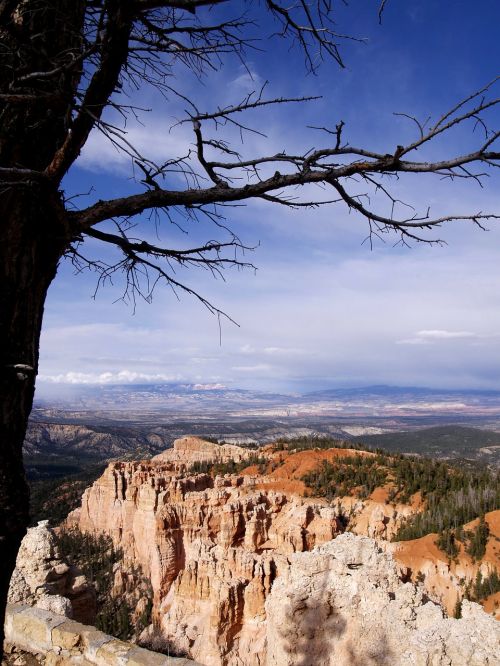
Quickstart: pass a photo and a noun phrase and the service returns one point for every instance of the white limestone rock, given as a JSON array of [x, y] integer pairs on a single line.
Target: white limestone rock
[[343, 604], [44, 579]]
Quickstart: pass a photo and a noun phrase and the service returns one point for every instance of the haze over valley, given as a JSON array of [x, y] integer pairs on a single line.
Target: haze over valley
[[111, 420]]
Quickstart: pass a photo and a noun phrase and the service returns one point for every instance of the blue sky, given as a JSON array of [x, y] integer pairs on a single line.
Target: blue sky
[[323, 309]]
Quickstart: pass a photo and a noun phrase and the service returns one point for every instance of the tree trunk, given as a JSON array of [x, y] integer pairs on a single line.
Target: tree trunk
[[38, 38], [32, 240]]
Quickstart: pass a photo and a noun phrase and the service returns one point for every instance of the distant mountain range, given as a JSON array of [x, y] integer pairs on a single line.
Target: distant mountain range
[[164, 397], [92, 424], [370, 401], [382, 390]]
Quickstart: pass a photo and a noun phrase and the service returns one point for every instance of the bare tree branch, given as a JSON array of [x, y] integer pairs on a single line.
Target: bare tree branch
[[314, 167], [142, 268], [142, 41], [113, 46]]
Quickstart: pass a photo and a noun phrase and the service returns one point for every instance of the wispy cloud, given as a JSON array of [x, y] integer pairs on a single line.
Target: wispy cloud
[[122, 377], [284, 351], [156, 142], [428, 337], [260, 367], [413, 341], [248, 79], [301, 323], [445, 335]]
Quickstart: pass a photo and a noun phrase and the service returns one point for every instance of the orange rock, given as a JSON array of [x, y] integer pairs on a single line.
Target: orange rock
[[213, 547]]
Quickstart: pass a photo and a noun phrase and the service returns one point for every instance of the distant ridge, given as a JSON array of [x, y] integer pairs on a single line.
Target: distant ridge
[[450, 442], [387, 390], [64, 393], [160, 402]]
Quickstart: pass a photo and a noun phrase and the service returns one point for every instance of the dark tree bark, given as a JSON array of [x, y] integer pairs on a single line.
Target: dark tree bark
[[28, 263], [34, 231]]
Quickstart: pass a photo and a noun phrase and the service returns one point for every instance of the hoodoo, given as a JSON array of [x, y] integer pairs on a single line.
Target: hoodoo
[[247, 570]]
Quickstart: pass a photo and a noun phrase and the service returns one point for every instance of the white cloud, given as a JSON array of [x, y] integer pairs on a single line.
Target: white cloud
[[283, 351], [247, 349], [437, 335], [121, 377], [248, 80], [413, 341], [445, 335], [154, 141], [317, 322], [209, 387]]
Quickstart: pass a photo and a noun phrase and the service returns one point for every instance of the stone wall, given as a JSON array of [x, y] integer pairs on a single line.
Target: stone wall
[[64, 642]]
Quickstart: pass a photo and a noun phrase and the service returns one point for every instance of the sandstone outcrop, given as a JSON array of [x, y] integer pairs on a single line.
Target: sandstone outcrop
[[44, 579], [343, 604], [187, 450], [211, 547], [222, 552]]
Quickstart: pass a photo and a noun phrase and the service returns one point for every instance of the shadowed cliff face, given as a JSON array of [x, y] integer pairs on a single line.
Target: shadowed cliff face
[[219, 550], [102, 442], [311, 624]]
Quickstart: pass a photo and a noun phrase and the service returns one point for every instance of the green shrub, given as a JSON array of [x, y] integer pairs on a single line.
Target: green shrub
[[230, 467], [484, 586], [453, 497], [53, 498], [340, 478], [457, 611], [114, 618], [477, 540], [447, 543], [315, 442]]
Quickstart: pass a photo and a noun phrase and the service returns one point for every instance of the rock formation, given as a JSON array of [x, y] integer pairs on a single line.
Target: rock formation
[[343, 604], [187, 450], [44, 579], [222, 552], [211, 547]]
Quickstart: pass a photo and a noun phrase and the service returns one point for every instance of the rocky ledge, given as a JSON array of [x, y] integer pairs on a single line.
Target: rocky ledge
[[45, 579], [344, 604]]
